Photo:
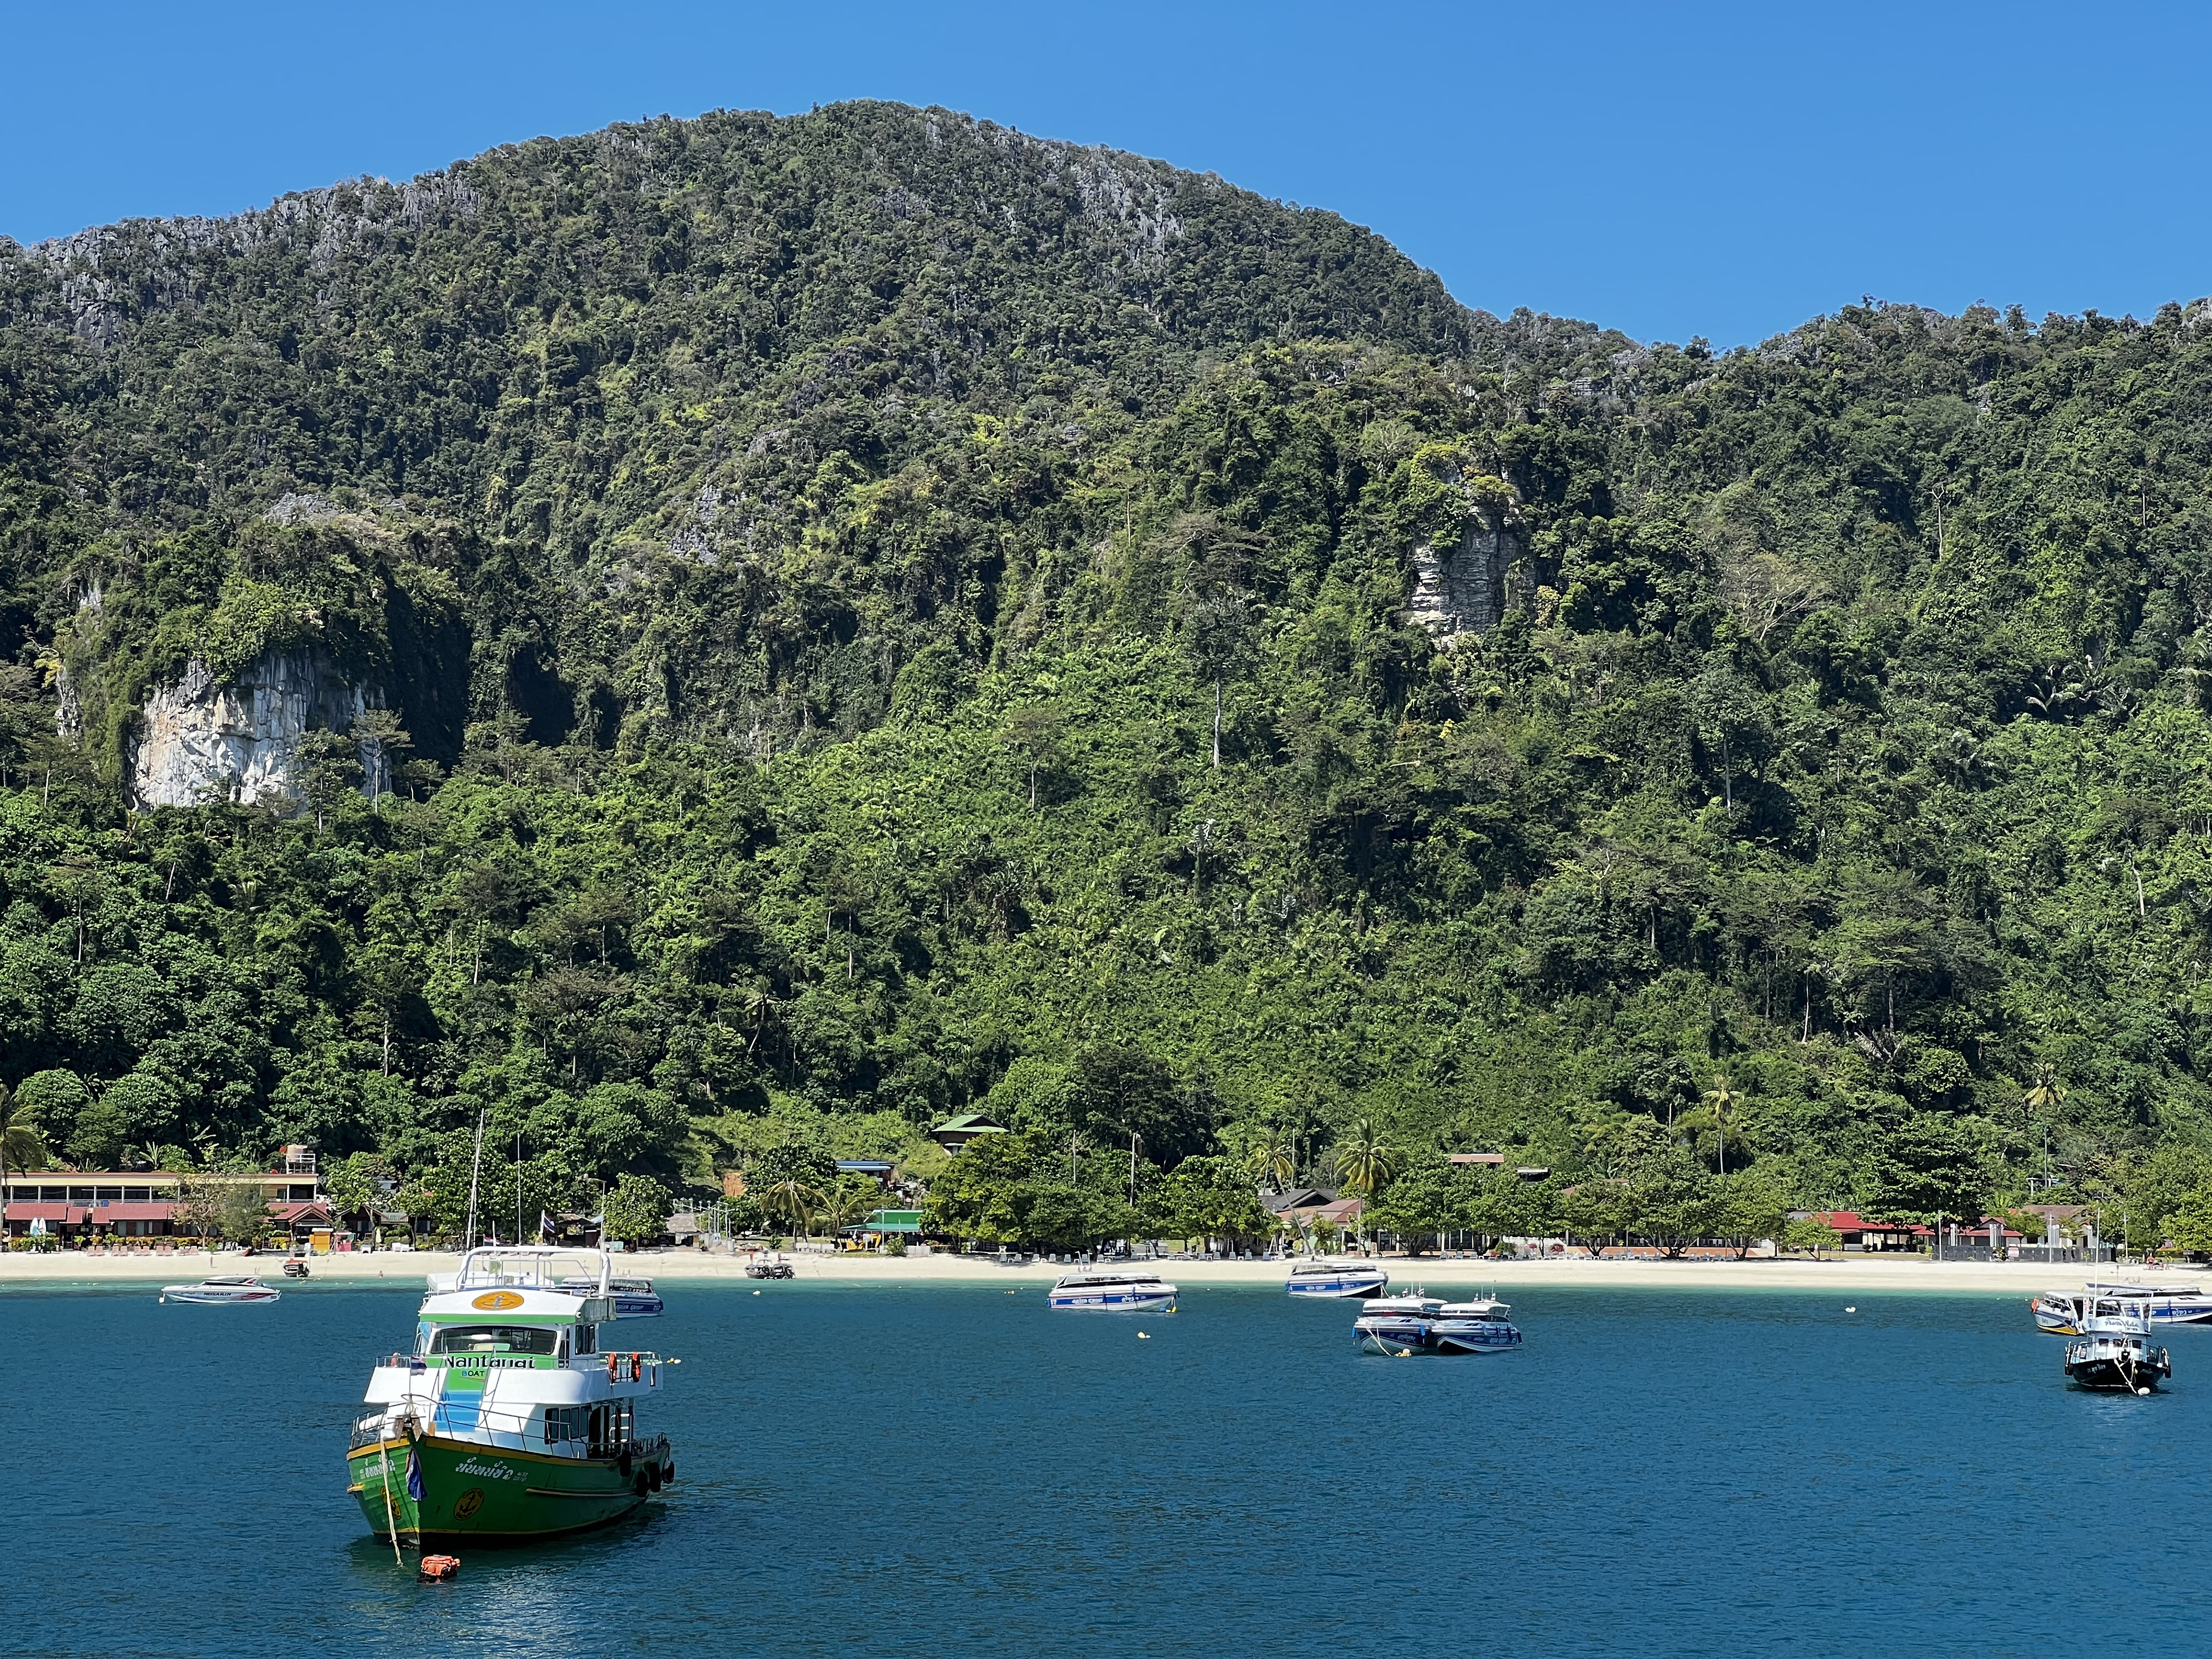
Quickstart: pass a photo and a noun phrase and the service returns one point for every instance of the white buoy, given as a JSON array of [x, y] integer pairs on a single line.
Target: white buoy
[[2142, 1391], [1141, 1337], [756, 1292], [1850, 1310]]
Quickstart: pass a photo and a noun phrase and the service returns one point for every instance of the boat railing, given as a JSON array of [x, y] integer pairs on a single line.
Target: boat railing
[[512, 1431]]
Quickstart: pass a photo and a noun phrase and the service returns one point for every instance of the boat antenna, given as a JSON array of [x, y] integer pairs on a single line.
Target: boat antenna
[[475, 1169], [518, 1187]]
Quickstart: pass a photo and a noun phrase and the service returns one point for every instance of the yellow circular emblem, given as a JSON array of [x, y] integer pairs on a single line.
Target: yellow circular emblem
[[496, 1300], [468, 1503]]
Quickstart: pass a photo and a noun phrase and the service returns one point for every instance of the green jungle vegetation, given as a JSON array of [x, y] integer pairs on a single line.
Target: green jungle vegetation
[[874, 616]]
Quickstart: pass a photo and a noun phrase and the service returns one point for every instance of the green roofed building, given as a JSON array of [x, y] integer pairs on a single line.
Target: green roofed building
[[955, 1132], [888, 1221]]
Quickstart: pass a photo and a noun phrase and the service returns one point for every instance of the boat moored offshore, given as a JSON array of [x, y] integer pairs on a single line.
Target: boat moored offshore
[[1127, 1291], [2061, 1312], [1476, 1326], [1401, 1326], [2113, 1352], [1318, 1281], [237, 1288], [515, 1417], [1404, 1327], [635, 1298]]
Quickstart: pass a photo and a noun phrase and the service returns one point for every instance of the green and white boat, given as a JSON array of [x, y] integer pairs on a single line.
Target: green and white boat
[[509, 1422]]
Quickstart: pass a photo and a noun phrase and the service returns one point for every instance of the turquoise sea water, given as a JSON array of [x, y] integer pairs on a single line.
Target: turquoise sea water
[[959, 1471]]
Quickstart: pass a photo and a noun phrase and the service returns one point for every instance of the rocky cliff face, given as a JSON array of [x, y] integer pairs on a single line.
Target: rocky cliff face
[[1461, 588], [199, 741]]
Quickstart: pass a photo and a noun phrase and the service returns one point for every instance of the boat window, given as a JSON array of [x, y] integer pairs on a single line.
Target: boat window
[[567, 1423], [587, 1339], [494, 1339]]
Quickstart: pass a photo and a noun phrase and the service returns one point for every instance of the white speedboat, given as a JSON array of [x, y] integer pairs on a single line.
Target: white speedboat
[[1127, 1291], [635, 1298], [1476, 1326], [2112, 1353], [1333, 1280], [235, 1288], [2061, 1312], [1400, 1326]]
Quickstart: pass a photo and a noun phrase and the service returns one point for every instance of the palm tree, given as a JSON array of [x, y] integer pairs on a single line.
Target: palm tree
[[843, 1204], [20, 1143], [2046, 1092], [1275, 1160], [792, 1199], [1364, 1161], [1722, 1112]]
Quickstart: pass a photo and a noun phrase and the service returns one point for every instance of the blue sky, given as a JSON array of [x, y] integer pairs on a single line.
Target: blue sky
[[1718, 170]]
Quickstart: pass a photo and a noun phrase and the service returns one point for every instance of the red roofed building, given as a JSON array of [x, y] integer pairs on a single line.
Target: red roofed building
[[301, 1222], [62, 1220], [157, 1219], [1860, 1234]]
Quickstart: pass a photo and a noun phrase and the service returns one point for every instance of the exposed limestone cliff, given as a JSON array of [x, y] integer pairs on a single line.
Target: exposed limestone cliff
[[199, 741], [1460, 589]]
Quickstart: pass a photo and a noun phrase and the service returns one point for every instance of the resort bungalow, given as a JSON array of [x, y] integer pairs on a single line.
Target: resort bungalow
[[874, 1168], [298, 1224], [1860, 1234], [955, 1132]]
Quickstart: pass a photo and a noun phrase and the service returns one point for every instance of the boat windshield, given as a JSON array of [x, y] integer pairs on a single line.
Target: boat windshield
[[494, 1339]]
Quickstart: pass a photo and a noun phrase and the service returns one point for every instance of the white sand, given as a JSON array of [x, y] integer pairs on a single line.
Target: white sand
[[1851, 1273]]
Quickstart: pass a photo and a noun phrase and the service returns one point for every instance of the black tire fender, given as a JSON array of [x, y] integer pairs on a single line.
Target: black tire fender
[[641, 1485], [622, 1466]]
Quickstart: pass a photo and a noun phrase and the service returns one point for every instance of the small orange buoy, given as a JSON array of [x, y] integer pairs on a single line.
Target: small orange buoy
[[436, 1569]]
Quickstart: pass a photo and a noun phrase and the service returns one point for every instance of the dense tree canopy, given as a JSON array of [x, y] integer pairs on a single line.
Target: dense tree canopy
[[878, 615]]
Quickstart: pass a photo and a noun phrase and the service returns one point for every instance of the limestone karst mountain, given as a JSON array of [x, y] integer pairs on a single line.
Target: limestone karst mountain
[[738, 639], [641, 364]]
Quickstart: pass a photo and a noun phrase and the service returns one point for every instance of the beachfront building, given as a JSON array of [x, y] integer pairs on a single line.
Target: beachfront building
[[1859, 1233], [89, 1205]]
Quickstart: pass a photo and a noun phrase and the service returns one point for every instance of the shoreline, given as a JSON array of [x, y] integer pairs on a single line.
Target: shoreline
[[60, 1269]]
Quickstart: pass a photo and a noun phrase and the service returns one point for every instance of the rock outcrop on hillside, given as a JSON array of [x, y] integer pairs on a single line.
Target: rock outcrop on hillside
[[200, 741]]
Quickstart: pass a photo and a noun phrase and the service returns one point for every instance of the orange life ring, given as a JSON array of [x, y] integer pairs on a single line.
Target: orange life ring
[[614, 1367]]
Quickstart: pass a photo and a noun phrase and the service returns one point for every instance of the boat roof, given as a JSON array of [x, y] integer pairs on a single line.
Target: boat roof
[[1124, 1277], [2097, 1288], [1334, 1268]]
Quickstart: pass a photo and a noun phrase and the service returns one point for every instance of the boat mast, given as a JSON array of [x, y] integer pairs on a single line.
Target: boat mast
[[474, 1169]]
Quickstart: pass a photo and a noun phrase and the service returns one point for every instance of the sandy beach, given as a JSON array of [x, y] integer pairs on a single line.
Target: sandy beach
[[29, 1270]]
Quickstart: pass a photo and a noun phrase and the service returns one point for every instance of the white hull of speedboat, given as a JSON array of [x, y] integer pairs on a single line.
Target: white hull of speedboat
[[217, 1292], [1335, 1284], [2060, 1313], [1114, 1296]]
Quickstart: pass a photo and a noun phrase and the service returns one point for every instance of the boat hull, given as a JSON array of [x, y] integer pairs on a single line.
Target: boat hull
[[213, 1299], [1407, 1339], [2105, 1372], [487, 1495], [1331, 1290], [1114, 1301]]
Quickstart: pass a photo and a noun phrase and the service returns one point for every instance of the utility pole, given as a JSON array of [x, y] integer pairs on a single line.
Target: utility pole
[[475, 1169]]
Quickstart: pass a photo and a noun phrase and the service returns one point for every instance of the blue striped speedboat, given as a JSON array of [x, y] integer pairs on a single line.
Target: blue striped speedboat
[[1127, 1291], [1333, 1280]]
